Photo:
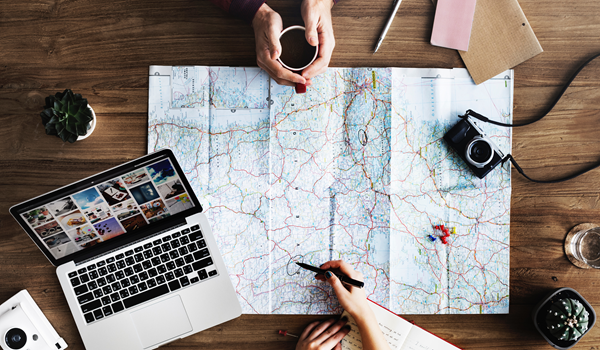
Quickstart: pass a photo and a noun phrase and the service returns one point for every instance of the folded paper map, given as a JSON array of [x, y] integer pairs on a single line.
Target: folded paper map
[[354, 169]]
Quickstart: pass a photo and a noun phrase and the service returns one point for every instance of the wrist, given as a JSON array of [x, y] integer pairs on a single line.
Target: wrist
[[321, 3], [263, 12], [362, 311], [365, 318]]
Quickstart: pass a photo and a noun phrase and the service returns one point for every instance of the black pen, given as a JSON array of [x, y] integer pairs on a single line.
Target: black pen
[[344, 279]]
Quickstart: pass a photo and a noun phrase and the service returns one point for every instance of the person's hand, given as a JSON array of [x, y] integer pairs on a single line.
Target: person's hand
[[319, 31], [324, 335], [267, 26], [352, 299]]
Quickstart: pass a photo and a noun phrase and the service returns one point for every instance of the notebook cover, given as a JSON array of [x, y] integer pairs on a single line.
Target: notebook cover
[[452, 24], [501, 38]]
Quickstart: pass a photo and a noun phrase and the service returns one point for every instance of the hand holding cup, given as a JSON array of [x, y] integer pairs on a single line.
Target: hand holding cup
[[296, 52], [268, 27]]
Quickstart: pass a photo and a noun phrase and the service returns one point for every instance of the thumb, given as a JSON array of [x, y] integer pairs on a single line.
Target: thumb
[[312, 36], [274, 44], [335, 282]]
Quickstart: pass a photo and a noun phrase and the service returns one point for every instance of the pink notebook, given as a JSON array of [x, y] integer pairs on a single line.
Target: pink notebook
[[452, 24]]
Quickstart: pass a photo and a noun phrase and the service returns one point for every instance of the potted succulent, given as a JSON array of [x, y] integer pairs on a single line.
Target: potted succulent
[[563, 317], [68, 116]]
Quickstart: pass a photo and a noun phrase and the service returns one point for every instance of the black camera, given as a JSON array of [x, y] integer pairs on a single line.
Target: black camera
[[476, 149]]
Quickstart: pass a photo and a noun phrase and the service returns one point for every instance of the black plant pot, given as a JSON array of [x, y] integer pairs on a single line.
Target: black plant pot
[[540, 310]]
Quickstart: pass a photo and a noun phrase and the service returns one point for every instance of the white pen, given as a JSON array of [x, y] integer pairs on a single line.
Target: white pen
[[388, 24]]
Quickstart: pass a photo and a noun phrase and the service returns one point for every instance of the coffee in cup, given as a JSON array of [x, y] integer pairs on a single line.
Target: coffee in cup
[[296, 52]]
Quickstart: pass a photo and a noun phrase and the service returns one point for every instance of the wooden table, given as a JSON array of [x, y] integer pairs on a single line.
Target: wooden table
[[103, 49]]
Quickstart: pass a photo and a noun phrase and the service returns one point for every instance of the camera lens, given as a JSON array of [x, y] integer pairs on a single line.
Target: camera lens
[[479, 152], [15, 338]]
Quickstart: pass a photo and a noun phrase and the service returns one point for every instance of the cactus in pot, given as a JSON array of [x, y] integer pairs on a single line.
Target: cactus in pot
[[67, 115], [567, 319]]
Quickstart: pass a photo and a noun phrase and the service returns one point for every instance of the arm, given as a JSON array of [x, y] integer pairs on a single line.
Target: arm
[[354, 300], [268, 25], [244, 9]]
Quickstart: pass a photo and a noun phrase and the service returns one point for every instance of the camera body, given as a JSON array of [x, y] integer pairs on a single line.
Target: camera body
[[24, 326], [476, 149]]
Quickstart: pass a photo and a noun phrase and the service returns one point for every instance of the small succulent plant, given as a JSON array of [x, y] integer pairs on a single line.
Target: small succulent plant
[[567, 319], [66, 115]]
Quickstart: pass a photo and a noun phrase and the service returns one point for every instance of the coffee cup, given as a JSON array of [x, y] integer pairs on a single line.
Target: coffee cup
[[296, 52]]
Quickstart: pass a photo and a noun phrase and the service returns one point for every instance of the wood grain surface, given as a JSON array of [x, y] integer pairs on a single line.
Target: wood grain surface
[[102, 49]]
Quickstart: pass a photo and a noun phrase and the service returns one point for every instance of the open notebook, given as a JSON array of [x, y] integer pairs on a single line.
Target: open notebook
[[400, 334]]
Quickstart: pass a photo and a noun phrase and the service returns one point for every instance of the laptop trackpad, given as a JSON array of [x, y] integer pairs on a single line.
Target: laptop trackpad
[[160, 322]]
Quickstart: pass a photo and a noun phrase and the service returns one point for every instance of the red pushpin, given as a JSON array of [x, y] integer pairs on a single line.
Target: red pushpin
[[285, 333]]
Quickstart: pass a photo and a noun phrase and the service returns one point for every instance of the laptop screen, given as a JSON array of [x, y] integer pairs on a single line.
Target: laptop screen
[[137, 196]]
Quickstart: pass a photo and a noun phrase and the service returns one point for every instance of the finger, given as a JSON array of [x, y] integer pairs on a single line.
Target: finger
[[338, 346], [311, 20], [339, 289], [344, 267], [328, 264], [273, 40], [308, 330], [274, 76], [330, 332], [336, 338], [327, 43], [281, 75], [335, 264], [319, 66], [320, 329], [284, 82]]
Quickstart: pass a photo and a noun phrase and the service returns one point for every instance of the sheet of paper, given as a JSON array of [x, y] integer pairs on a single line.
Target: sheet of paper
[[452, 23], [395, 329], [352, 169], [420, 339]]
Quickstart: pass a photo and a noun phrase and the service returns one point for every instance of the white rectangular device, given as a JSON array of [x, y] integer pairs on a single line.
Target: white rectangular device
[[136, 257], [24, 326]]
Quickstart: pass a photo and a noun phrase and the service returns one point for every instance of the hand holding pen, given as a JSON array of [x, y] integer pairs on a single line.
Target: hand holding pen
[[352, 299], [343, 278]]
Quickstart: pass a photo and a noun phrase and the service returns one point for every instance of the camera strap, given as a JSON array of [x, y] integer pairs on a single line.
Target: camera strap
[[509, 157], [514, 162], [471, 113]]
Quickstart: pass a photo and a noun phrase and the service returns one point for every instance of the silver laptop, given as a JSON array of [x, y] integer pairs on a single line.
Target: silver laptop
[[136, 257]]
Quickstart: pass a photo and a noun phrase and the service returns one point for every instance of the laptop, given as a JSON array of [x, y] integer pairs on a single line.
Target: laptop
[[135, 255]]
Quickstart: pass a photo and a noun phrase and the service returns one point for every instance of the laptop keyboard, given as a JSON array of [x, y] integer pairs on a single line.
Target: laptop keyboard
[[142, 273]]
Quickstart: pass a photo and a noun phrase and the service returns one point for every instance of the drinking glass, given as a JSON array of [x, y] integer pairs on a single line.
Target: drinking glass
[[585, 247]]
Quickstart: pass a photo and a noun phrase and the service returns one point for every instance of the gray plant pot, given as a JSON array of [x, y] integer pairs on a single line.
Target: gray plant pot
[[539, 316]]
